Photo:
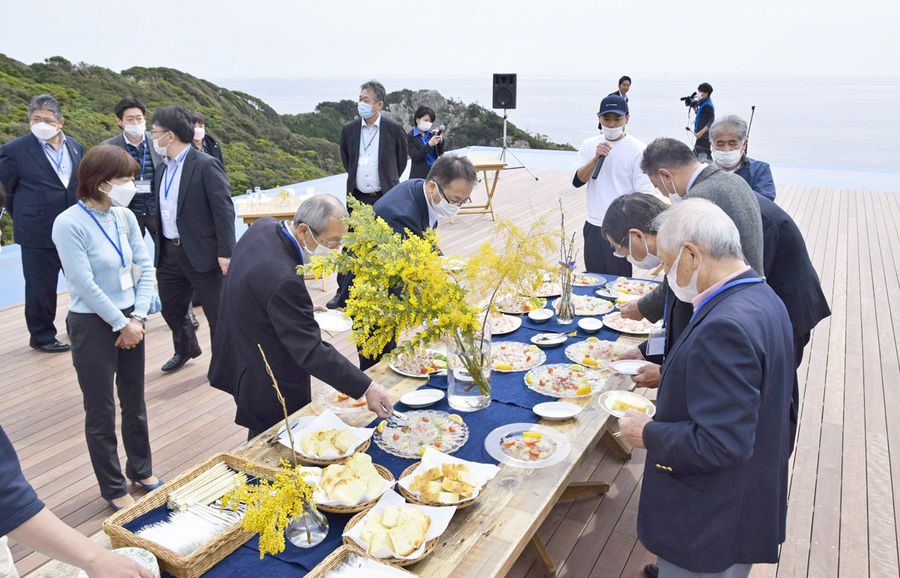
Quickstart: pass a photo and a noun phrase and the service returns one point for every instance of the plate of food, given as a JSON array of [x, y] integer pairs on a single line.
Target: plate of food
[[441, 480], [527, 445], [421, 430], [327, 440], [518, 304], [333, 321], [326, 397], [588, 280], [563, 380], [624, 288], [397, 532], [548, 289], [509, 356], [593, 352], [617, 402], [587, 305], [423, 363], [616, 322], [502, 324], [351, 486]]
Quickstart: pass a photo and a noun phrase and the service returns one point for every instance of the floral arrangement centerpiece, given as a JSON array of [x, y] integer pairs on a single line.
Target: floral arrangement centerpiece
[[402, 288], [282, 504], [565, 307]]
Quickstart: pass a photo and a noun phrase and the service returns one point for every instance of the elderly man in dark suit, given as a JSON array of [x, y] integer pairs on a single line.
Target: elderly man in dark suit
[[414, 206], [265, 302], [131, 116], [714, 495], [39, 171], [373, 152], [196, 226]]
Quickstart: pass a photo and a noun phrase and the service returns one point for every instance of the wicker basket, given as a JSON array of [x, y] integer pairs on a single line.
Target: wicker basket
[[383, 472], [337, 557], [208, 555], [417, 500], [317, 462], [350, 544]]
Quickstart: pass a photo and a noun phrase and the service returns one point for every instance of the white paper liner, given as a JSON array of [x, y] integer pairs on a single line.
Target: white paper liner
[[327, 420], [440, 519], [433, 458], [322, 498]]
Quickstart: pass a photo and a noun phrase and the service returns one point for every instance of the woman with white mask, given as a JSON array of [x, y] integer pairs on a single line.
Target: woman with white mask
[[110, 276], [425, 142]]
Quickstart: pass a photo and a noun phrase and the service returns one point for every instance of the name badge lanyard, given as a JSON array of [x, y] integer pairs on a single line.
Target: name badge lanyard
[[724, 288], [144, 154], [293, 241], [115, 245], [366, 146], [57, 160], [167, 185]]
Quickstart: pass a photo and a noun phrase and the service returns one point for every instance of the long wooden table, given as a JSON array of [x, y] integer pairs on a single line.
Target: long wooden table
[[485, 539]]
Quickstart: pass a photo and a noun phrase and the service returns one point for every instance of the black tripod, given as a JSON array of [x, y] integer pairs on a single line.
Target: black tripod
[[505, 148]]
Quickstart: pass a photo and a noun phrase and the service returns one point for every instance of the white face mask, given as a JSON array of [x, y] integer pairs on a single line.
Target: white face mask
[[135, 130], [424, 125], [44, 131], [685, 294], [160, 150], [612, 133], [672, 195], [649, 262], [444, 208], [122, 195], [727, 159], [199, 133]]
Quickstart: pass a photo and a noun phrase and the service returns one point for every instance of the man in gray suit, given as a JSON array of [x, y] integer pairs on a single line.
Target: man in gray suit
[[131, 116]]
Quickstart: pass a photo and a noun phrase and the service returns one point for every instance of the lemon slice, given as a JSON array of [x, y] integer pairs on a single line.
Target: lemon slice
[[591, 362], [503, 366], [455, 417], [583, 390], [381, 427], [532, 435], [592, 339]]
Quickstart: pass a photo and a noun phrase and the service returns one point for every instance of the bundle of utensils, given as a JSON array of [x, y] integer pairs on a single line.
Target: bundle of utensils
[[206, 488], [185, 531]]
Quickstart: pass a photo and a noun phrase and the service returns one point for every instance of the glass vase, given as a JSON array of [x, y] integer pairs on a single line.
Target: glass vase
[[565, 307], [469, 372], [308, 529]]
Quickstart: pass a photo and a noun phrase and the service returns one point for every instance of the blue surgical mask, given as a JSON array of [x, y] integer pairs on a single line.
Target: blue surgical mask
[[365, 109]]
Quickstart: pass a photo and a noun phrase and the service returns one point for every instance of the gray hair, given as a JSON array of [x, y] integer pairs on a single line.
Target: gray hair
[[702, 223], [318, 210], [730, 123], [666, 153], [376, 88], [45, 102], [449, 168]]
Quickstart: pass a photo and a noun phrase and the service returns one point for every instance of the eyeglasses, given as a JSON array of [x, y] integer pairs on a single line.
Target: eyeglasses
[[158, 131], [37, 119], [443, 196], [324, 242]]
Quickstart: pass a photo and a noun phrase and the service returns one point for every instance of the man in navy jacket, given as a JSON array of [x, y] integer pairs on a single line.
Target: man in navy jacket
[[39, 172], [714, 495]]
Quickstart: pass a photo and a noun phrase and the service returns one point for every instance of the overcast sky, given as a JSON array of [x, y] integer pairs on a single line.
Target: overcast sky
[[336, 38]]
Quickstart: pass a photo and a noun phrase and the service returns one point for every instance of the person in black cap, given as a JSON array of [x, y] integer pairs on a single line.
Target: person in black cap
[[619, 158]]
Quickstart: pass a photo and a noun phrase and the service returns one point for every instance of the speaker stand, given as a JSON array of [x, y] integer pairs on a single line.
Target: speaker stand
[[505, 149]]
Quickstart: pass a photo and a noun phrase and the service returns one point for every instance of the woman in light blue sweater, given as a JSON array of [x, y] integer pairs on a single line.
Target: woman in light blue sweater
[[110, 277]]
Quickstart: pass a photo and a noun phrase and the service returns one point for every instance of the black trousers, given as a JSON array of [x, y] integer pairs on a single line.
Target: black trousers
[[598, 254], [178, 281], [99, 364], [148, 222], [40, 268], [344, 280]]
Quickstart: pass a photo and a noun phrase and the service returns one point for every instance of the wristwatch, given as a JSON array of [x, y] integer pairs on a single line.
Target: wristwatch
[[143, 320]]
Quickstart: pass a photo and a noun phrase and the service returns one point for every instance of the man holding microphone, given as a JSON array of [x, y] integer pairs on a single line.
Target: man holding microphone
[[610, 165]]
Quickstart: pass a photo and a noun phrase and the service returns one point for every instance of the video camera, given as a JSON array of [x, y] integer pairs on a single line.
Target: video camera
[[690, 100]]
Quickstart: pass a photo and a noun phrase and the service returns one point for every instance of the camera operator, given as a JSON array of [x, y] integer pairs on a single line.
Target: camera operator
[[729, 152], [705, 117]]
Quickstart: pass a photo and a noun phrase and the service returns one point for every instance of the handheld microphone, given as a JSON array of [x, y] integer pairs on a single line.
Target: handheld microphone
[[441, 130], [598, 167]]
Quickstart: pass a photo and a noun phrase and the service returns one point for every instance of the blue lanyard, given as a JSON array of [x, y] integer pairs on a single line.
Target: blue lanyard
[[366, 147], [167, 185], [724, 288], [56, 160], [117, 247], [140, 149], [293, 240]]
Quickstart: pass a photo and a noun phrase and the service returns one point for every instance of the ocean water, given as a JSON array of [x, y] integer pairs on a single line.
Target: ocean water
[[800, 122]]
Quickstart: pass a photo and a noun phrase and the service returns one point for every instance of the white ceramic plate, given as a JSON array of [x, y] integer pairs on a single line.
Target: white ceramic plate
[[627, 366], [589, 280], [422, 397], [493, 439], [605, 293], [511, 323], [557, 339], [557, 410], [608, 399], [616, 322], [430, 354], [333, 321]]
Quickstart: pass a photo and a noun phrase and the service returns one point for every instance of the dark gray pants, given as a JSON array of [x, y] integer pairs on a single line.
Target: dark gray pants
[[40, 268], [598, 254], [99, 364]]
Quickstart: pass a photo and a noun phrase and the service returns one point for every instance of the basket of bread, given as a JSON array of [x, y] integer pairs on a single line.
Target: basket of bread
[[327, 440], [351, 486], [442, 480], [396, 532]]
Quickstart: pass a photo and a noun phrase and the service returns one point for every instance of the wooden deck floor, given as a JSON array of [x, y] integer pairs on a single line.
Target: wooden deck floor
[[843, 516]]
